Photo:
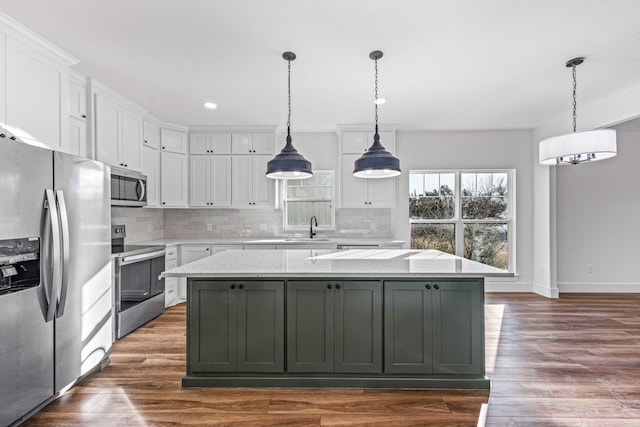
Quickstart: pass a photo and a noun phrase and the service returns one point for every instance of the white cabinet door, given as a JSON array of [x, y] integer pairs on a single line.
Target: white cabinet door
[[107, 130], [221, 143], [354, 190], [77, 100], [131, 140], [241, 143], [263, 187], [173, 140], [78, 136], [37, 96], [355, 142], [381, 192], [174, 181], [199, 143], [242, 184], [151, 135], [263, 143], [151, 168], [220, 180], [200, 182]]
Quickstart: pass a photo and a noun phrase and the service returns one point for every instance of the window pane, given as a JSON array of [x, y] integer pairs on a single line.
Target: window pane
[[300, 213], [431, 195], [431, 207], [416, 184], [433, 236], [484, 195], [487, 243], [431, 184]]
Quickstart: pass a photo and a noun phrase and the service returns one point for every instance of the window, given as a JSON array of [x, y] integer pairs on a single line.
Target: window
[[466, 213], [304, 198]]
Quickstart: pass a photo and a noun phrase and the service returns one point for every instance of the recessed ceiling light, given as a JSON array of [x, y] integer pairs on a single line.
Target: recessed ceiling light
[[210, 105], [380, 101]]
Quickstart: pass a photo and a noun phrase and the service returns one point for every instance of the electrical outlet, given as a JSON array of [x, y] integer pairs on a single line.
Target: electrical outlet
[[589, 268], [373, 226], [263, 227], [149, 228], [209, 227]]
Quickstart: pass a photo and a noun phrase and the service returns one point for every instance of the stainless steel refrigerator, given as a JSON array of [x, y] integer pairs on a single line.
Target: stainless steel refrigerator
[[55, 274]]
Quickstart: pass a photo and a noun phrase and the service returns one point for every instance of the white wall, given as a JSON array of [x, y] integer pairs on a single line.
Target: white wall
[[473, 150], [597, 220]]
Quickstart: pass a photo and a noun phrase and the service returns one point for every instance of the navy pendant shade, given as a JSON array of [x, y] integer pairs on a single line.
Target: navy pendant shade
[[289, 164], [376, 162]]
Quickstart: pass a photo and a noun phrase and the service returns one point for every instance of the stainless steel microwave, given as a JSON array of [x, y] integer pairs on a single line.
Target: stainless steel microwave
[[128, 188]]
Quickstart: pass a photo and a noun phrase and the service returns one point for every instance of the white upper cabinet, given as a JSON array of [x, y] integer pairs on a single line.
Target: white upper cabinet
[[118, 132], [151, 168], [251, 187], [362, 192], [173, 140], [78, 96], [174, 179], [210, 184], [150, 135], [36, 97], [210, 143], [252, 143]]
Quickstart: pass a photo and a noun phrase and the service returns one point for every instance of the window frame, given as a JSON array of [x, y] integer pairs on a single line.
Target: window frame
[[285, 205], [459, 222]]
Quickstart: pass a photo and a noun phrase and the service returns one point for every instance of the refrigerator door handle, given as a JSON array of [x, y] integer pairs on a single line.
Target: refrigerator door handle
[[64, 222], [53, 277]]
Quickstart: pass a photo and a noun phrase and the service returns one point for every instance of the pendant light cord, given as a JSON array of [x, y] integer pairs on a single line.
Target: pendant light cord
[[376, 95], [289, 94], [575, 85]]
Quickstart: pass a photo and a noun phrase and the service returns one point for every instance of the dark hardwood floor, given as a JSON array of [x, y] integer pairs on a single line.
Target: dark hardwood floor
[[574, 361]]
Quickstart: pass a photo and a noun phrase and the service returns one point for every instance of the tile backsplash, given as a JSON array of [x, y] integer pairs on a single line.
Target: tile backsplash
[[150, 224]]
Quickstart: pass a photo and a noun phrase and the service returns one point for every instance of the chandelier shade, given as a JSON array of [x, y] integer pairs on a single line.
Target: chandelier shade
[[578, 147]]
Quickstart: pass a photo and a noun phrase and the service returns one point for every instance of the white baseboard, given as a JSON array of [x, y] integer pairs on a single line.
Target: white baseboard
[[507, 287], [599, 287], [546, 291]]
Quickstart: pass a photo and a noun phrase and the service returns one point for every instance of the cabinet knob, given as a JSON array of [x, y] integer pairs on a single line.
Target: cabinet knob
[[427, 286], [146, 142], [163, 147], [338, 286], [2, 135], [84, 116], [329, 287], [207, 249], [436, 287], [233, 286], [163, 203], [240, 286], [13, 138]]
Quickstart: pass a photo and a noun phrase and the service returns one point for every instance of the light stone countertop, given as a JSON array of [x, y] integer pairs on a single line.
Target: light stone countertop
[[360, 263], [276, 240]]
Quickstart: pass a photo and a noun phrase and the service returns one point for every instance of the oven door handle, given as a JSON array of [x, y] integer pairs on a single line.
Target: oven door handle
[[142, 257], [141, 184]]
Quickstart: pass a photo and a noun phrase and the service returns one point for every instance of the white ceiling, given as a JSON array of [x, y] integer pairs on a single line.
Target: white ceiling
[[447, 65]]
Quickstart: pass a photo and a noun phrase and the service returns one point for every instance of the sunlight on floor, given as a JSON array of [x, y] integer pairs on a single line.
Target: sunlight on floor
[[493, 327]]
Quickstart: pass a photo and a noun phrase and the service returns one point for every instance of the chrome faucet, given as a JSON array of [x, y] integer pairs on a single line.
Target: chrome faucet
[[311, 232]]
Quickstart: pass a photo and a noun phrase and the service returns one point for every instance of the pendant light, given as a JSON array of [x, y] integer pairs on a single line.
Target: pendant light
[[577, 147], [289, 164], [376, 162]]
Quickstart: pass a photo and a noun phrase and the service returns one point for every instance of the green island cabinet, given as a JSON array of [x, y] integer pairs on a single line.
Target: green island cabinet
[[235, 326], [334, 326], [393, 333]]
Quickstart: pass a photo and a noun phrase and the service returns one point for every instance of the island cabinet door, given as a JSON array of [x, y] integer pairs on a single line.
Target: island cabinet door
[[458, 326], [358, 326], [408, 327], [260, 326], [310, 326], [212, 326]]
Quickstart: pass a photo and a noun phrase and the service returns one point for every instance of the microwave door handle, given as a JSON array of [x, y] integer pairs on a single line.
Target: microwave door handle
[[52, 276], [142, 190], [64, 222]]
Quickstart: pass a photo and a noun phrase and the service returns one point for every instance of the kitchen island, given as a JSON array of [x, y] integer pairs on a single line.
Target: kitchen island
[[324, 318]]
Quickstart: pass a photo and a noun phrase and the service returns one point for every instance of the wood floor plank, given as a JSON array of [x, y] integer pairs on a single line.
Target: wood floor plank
[[572, 361]]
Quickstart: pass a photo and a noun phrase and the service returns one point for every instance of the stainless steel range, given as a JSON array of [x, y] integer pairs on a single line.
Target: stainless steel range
[[139, 292]]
